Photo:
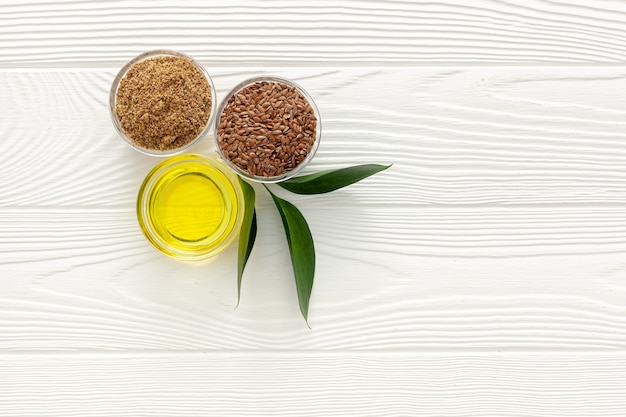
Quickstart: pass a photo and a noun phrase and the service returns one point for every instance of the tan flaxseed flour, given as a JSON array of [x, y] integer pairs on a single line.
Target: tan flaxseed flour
[[163, 103]]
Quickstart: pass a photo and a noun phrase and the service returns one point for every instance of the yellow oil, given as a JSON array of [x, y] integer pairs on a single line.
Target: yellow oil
[[190, 207]]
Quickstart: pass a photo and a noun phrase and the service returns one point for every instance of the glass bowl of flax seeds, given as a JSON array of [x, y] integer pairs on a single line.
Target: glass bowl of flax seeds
[[267, 129], [162, 102]]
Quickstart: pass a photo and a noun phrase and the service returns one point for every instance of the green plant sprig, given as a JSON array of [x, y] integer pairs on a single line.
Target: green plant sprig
[[247, 235], [297, 231]]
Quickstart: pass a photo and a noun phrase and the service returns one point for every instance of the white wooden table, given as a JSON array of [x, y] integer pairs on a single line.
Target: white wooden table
[[484, 274]]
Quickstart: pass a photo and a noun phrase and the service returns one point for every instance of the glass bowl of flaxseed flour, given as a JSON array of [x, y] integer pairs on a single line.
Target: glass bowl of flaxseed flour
[[162, 102]]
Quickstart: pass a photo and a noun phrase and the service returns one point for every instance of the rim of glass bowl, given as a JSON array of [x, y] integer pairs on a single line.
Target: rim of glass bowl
[[113, 97], [288, 174], [147, 186]]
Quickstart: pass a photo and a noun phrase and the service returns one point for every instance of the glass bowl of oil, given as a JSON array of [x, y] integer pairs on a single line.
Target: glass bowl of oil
[[190, 207]]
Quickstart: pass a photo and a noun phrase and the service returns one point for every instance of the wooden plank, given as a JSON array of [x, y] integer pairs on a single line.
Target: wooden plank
[[499, 227], [346, 32], [498, 137], [283, 384]]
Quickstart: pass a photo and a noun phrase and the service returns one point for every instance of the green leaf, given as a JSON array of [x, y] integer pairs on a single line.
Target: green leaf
[[301, 249], [330, 180], [247, 235]]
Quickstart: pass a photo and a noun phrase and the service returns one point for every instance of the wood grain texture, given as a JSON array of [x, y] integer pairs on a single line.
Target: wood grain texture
[[500, 226], [483, 275], [348, 32], [261, 384]]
